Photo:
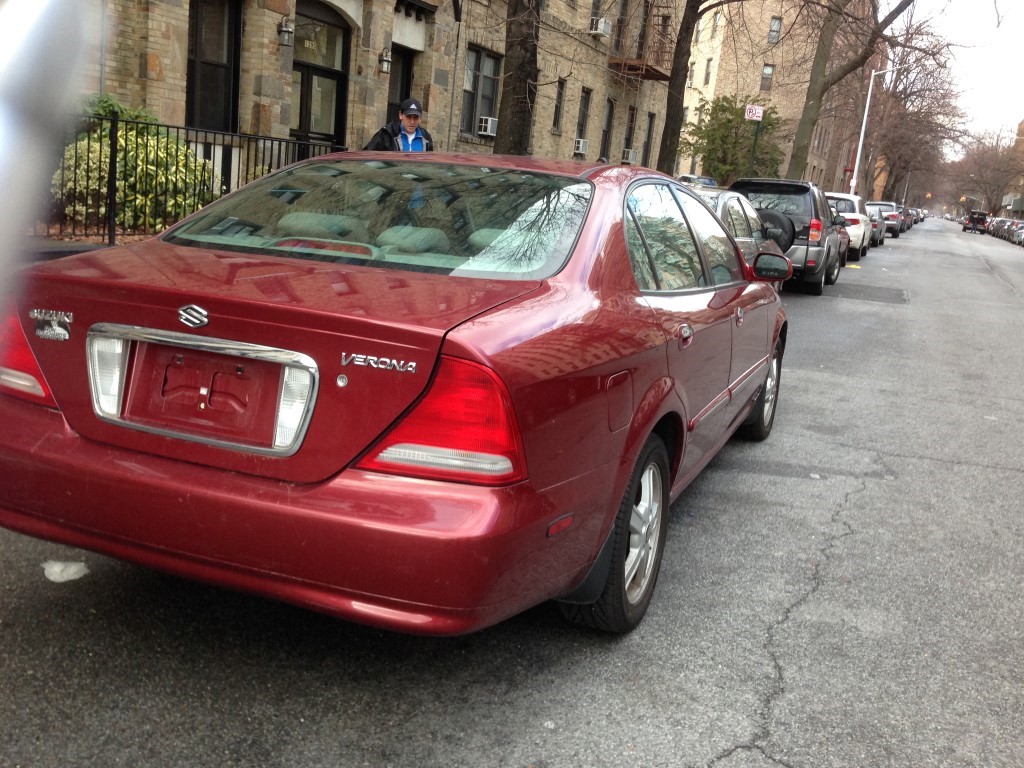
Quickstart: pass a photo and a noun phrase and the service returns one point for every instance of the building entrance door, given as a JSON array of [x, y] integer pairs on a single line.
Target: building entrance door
[[320, 76]]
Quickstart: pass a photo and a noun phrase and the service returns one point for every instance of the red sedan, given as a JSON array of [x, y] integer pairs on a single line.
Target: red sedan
[[419, 392]]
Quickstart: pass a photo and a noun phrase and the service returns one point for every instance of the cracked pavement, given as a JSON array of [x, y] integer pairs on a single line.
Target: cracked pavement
[[847, 593]]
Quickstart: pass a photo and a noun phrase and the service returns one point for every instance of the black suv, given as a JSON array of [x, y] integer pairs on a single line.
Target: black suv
[[802, 207]]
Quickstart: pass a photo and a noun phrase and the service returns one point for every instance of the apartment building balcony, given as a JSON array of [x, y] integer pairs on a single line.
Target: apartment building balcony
[[644, 51]]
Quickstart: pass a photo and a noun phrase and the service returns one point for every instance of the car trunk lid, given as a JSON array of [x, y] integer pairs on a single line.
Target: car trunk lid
[[202, 356]]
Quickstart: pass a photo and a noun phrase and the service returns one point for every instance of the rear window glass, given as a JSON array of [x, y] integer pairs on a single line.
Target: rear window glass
[[842, 205], [781, 201], [426, 217]]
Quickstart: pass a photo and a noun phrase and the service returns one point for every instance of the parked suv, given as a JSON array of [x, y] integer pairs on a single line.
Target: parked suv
[[802, 206]]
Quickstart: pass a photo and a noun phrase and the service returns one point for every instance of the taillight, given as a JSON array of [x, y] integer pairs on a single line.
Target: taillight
[[19, 372], [814, 235], [464, 429]]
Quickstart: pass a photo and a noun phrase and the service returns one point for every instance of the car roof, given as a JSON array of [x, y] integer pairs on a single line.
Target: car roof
[[793, 185]]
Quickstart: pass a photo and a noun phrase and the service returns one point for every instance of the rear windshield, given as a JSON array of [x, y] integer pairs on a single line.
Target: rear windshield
[[842, 205], [426, 217], [794, 202]]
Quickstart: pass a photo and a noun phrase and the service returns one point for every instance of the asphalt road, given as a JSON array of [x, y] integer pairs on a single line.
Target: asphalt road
[[848, 593]]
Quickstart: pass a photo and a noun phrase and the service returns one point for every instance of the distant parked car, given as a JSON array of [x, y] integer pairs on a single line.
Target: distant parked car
[[877, 220], [852, 208], [893, 216], [697, 181], [976, 221]]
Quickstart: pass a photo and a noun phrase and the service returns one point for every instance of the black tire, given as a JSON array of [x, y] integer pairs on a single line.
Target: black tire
[[640, 528], [818, 286], [895, 234], [759, 424], [783, 223], [832, 275]]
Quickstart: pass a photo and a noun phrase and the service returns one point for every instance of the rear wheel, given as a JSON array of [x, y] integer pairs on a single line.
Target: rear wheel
[[832, 275], [817, 287], [759, 425], [637, 550]]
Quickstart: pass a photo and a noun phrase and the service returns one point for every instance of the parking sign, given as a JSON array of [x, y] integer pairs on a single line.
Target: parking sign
[[755, 112]]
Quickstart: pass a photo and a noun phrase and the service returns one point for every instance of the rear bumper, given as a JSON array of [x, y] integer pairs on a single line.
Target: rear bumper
[[808, 261], [402, 554]]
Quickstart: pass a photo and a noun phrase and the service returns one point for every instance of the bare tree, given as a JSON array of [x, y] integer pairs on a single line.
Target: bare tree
[[988, 171], [823, 78]]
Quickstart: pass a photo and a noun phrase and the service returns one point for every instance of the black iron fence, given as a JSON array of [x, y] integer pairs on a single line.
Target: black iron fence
[[125, 177]]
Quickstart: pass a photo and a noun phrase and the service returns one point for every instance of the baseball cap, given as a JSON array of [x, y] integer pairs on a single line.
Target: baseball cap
[[409, 107]]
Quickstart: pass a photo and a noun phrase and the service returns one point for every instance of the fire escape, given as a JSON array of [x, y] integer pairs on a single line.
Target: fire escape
[[643, 47]]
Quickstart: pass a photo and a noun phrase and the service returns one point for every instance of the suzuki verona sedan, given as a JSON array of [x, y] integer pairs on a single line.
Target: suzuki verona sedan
[[423, 393]]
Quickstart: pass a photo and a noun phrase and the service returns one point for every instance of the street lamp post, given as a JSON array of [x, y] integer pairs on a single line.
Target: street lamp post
[[864, 124]]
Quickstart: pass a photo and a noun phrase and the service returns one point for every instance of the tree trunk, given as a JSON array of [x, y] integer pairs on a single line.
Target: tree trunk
[[519, 86], [669, 150], [816, 89], [821, 82]]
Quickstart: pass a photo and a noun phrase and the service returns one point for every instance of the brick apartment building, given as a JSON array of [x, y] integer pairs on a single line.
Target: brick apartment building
[[763, 51], [336, 70]]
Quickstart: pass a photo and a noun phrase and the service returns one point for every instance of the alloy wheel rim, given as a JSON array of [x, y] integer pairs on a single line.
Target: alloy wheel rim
[[770, 391], [644, 533]]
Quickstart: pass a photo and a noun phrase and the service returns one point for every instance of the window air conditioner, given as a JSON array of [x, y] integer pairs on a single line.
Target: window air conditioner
[[600, 26], [580, 147], [487, 126], [631, 156]]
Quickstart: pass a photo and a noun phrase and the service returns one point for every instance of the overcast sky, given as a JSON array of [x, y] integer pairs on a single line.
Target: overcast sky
[[991, 61]]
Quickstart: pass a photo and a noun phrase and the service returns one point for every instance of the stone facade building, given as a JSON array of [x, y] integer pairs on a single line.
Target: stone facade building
[[764, 54], [335, 70]]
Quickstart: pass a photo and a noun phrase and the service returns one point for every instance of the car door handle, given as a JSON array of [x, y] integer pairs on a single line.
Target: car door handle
[[739, 315], [684, 333]]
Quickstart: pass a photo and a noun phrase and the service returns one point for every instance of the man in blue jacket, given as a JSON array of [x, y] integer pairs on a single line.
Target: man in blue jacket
[[404, 134]]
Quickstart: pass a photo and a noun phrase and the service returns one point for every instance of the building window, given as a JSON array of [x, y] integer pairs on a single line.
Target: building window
[[689, 76], [648, 140], [479, 88], [211, 92], [775, 29], [606, 129], [766, 77], [715, 20], [630, 127], [556, 121], [686, 116], [707, 72], [584, 116]]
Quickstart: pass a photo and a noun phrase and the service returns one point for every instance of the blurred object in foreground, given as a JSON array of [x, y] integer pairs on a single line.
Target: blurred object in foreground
[[38, 79]]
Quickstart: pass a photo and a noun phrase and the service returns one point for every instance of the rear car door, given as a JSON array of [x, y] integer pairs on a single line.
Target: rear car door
[[749, 304]]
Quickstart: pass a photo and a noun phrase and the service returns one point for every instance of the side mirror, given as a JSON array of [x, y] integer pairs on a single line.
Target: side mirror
[[840, 221], [770, 267]]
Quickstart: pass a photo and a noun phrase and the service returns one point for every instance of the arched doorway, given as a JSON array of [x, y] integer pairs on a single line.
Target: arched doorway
[[323, 41]]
